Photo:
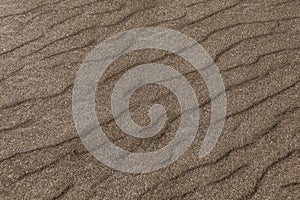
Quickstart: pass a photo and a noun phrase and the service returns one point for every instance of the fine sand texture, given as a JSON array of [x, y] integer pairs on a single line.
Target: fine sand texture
[[256, 45]]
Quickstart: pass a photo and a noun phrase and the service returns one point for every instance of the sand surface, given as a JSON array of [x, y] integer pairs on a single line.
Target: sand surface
[[255, 43]]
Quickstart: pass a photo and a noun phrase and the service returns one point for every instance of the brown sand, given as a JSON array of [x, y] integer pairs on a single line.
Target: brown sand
[[256, 44]]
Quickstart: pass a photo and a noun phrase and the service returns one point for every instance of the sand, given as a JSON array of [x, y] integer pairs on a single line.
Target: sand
[[256, 45]]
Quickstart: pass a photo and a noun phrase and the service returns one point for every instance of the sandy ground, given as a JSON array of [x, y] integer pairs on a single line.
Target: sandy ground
[[256, 44]]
